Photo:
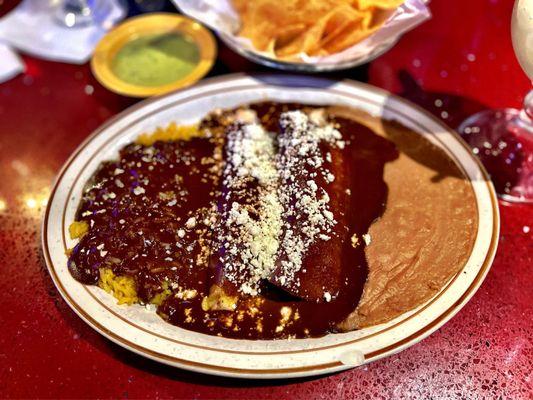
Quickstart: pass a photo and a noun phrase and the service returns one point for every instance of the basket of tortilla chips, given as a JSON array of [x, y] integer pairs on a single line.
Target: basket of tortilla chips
[[313, 35]]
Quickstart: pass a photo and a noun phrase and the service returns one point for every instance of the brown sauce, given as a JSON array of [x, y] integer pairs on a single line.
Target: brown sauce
[[140, 209]]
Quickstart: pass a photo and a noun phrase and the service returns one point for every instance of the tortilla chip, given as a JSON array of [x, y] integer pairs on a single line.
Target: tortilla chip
[[314, 27]]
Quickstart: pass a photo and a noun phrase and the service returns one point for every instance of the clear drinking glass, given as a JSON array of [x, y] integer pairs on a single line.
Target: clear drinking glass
[[503, 139], [81, 13]]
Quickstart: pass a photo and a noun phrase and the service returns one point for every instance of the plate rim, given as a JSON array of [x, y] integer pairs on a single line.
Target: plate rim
[[276, 373]]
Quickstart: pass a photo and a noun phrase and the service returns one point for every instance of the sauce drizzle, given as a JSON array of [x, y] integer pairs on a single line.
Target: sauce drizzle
[[152, 214]]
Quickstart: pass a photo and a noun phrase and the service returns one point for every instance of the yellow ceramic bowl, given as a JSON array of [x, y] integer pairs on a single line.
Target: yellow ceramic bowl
[[134, 28]]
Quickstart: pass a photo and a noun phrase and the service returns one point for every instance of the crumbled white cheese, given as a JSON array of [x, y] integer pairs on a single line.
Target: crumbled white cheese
[[191, 223], [251, 241], [300, 158], [138, 190], [246, 115], [285, 187]]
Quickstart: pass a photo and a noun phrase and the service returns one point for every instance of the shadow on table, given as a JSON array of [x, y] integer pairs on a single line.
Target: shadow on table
[[447, 108], [450, 108]]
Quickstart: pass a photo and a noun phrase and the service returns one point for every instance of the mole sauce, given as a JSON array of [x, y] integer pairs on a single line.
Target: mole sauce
[[151, 214]]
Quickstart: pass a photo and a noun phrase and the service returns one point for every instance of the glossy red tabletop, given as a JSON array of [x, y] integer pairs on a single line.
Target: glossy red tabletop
[[462, 57]]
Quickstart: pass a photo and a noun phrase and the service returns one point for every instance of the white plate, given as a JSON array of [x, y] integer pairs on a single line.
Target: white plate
[[143, 332]]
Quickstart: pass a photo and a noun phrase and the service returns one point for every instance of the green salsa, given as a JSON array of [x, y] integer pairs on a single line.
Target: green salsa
[[156, 59]]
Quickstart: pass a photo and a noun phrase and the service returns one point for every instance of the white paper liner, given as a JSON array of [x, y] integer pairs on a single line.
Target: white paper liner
[[220, 16]]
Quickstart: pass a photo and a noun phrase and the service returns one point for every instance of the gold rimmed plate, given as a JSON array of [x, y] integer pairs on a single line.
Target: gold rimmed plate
[[144, 26]]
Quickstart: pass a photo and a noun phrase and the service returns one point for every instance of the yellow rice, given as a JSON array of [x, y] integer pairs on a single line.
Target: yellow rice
[[171, 133], [124, 288], [77, 229]]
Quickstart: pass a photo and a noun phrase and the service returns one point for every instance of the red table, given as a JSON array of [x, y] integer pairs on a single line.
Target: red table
[[462, 57]]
